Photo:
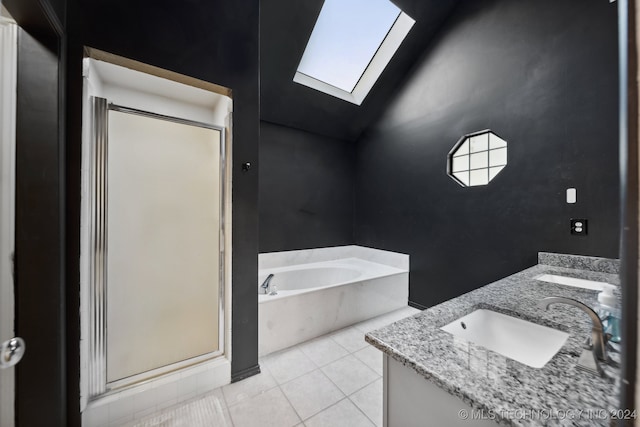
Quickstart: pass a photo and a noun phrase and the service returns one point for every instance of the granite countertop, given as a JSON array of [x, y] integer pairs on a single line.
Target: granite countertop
[[489, 381]]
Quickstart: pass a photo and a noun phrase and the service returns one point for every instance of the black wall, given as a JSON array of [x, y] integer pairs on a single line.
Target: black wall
[[59, 7], [543, 75], [213, 40], [306, 189]]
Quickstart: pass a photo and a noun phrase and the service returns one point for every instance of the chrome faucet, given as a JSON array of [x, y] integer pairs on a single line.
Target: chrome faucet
[[598, 337], [266, 283]]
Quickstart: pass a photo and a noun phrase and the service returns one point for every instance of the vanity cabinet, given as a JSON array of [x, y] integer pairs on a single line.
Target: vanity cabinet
[[410, 400]]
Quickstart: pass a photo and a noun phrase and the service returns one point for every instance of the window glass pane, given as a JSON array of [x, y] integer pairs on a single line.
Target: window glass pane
[[479, 143], [479, 160], [478, 177], [460, 163], [494, 171], [498, 157], [345, 38], [496, 142], [463, 149], [462, 176]]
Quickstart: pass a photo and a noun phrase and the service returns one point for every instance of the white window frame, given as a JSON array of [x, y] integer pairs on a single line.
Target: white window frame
[[466, 139], [382, 57]]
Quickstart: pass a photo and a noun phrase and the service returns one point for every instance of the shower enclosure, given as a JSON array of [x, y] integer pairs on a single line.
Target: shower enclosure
[[156, 247]]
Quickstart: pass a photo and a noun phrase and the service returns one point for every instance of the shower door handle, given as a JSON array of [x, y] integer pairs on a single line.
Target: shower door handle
[[11, 352]]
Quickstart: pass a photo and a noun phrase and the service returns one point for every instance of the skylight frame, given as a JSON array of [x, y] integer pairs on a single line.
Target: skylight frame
[[391, 43]]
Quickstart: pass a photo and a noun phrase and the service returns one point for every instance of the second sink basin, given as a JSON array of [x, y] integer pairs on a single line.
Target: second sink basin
[[572, 281], [528, 343]]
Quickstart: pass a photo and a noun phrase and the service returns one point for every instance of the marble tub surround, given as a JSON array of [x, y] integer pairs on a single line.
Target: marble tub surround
[[292, 319], [332, 289], [580, 262], [305, 256], [488, 381]]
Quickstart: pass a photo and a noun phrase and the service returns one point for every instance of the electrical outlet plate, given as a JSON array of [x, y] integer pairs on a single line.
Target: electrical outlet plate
[[579, 226]]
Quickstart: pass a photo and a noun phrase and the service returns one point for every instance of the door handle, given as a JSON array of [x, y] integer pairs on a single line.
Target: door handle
[[11, 352]]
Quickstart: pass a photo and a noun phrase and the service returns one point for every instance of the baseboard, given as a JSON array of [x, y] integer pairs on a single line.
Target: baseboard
[[245, 373], [416, 305]]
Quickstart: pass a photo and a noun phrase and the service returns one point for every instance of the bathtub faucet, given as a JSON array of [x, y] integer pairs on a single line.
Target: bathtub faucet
[[266, 283]]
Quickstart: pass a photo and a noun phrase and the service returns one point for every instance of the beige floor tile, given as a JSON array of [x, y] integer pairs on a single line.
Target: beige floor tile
[[311, 393], [372, 357], [385, 319], [323, 350], [269, 409], [288, 364], [342, 414], [369, 401], [350, 338], [349, 374], [249, 387]]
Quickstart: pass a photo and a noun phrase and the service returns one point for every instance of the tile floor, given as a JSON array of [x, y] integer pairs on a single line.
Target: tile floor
[[333, 381]]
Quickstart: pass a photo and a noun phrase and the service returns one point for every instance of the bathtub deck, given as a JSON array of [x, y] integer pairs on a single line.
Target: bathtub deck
[[332, 380]]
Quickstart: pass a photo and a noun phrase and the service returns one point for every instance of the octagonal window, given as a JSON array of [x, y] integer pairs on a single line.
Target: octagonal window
[[477, 158]]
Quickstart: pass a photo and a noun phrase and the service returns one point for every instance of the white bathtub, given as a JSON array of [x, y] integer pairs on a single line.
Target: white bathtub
[[319, 297]]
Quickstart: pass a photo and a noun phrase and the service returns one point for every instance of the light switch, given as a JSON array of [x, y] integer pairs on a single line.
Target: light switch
[[571, 195]]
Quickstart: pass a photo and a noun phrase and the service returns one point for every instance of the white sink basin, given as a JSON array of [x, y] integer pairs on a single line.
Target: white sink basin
[[528, 343], [571, 281]]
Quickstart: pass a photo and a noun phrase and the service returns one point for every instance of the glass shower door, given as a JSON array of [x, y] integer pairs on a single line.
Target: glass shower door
[[162, 256]]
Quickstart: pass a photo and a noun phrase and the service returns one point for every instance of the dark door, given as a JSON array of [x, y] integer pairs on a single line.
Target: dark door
[[40, 312]]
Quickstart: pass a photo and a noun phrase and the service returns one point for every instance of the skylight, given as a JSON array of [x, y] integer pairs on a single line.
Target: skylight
[[351, 44]]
